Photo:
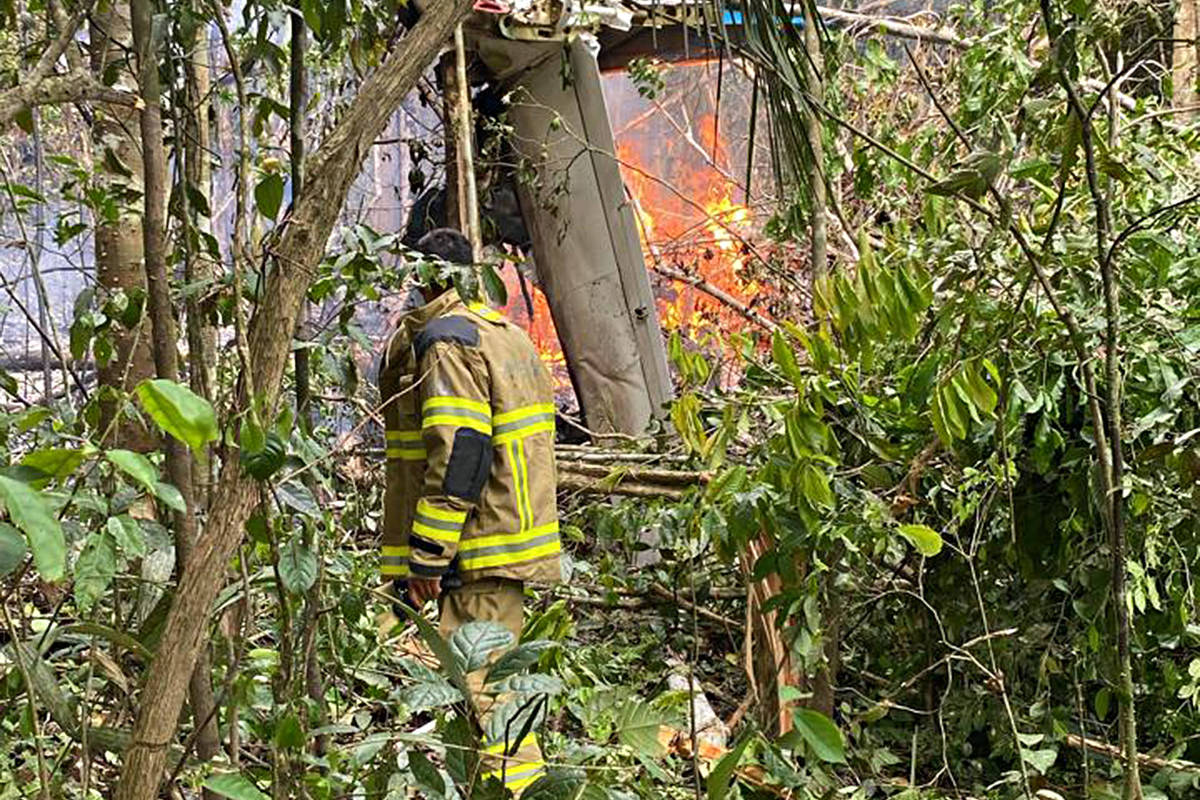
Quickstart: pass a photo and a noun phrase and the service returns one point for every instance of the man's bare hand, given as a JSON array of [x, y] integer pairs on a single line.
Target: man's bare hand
[[422, 589]]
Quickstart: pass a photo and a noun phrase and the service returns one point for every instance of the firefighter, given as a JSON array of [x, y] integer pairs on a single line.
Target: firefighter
[[470, 509]]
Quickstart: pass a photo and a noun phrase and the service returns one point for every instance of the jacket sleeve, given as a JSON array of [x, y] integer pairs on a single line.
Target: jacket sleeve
[[456, 427]]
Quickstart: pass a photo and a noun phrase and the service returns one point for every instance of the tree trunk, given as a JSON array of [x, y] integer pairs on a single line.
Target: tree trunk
[[1185, 66], [296, 253], [164, 336], [119, 243], [815, 67]]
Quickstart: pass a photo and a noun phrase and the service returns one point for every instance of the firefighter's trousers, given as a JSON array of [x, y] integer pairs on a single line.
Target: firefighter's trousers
[[494, 600]]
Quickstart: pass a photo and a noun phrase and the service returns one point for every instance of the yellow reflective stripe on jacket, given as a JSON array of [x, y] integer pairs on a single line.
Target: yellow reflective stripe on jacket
[[394, 560], [405, 445], [457, 403], [509, 548], [523, 495], [486, 312], [460, 412], [521, 422], [438, 524]]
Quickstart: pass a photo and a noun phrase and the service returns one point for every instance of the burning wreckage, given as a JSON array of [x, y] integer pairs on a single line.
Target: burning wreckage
[[631, 199]]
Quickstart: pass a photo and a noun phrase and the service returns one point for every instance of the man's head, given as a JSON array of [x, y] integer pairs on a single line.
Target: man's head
[[447, 246]]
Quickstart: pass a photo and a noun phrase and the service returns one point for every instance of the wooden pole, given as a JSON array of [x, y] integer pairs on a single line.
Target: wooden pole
[[465, 147]]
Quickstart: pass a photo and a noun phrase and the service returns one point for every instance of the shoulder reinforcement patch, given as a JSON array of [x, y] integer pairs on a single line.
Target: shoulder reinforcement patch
[[460, 330]]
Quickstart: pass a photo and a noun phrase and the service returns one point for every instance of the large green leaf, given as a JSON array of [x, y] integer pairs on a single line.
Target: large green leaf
[[12, 548], [268, 195], [636, 725], [721, 778], [297, 567], [473, 643], [136, 466], [821, 735], [925, 539], [518, 659], [95, 569], [424, 695], [57, 462], [180, 412], [128, 534], [235, 786], [32, 514], [426, 773]]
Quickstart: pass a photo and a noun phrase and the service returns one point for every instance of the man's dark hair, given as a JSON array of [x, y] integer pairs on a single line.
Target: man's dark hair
[[446, 244]]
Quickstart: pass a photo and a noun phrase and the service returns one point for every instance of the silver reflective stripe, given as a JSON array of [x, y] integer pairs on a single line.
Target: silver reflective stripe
[[440, 524], [514, 547], [454, 411], [396, 561], [524, 422]]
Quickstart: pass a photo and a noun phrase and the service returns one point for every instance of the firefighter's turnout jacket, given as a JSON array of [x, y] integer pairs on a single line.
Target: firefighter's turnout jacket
[[471, 480]]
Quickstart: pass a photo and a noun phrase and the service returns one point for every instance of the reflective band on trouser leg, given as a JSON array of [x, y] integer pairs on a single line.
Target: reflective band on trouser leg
[[438, 524], [459, 412], [394, 561], [509, 548], [405, 445], [516, 770]]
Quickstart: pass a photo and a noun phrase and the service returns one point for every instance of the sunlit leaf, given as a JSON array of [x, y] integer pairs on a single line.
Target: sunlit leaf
[[180, 412], [32, 514]]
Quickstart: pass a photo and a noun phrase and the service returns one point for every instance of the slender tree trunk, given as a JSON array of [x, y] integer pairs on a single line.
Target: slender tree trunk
[[154, 247], [1185, 66], [300, 246], [815, 67], [199, 268], [298, 93], [119, 242]]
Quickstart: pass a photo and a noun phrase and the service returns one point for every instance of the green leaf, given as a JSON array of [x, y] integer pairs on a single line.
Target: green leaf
[[235, 786], [31, 513], [721, 778], [1041, 760], [636, 725], [426, 773], [265, 459], [925, 539], [462, 748], [821, 735], [170, 495], [535, 683], [136, 466], [127, 534], [425, 695], [297, 567], [268, 195], [57, 462], [816, 487], [473, 643], [94, 570], [517, 660], [288, 733], [1103, 701], [12, 549], [178, 411]]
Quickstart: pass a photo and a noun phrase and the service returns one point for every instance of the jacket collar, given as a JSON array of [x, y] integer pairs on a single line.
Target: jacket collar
[[445, 303]]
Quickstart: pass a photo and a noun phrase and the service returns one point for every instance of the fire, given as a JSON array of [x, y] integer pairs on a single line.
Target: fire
[[698, 239], [691, 225], [539, 325]]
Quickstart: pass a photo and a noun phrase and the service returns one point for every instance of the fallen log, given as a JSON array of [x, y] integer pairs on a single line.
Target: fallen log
[[669, 477], [1078, 742], [574, 482]]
